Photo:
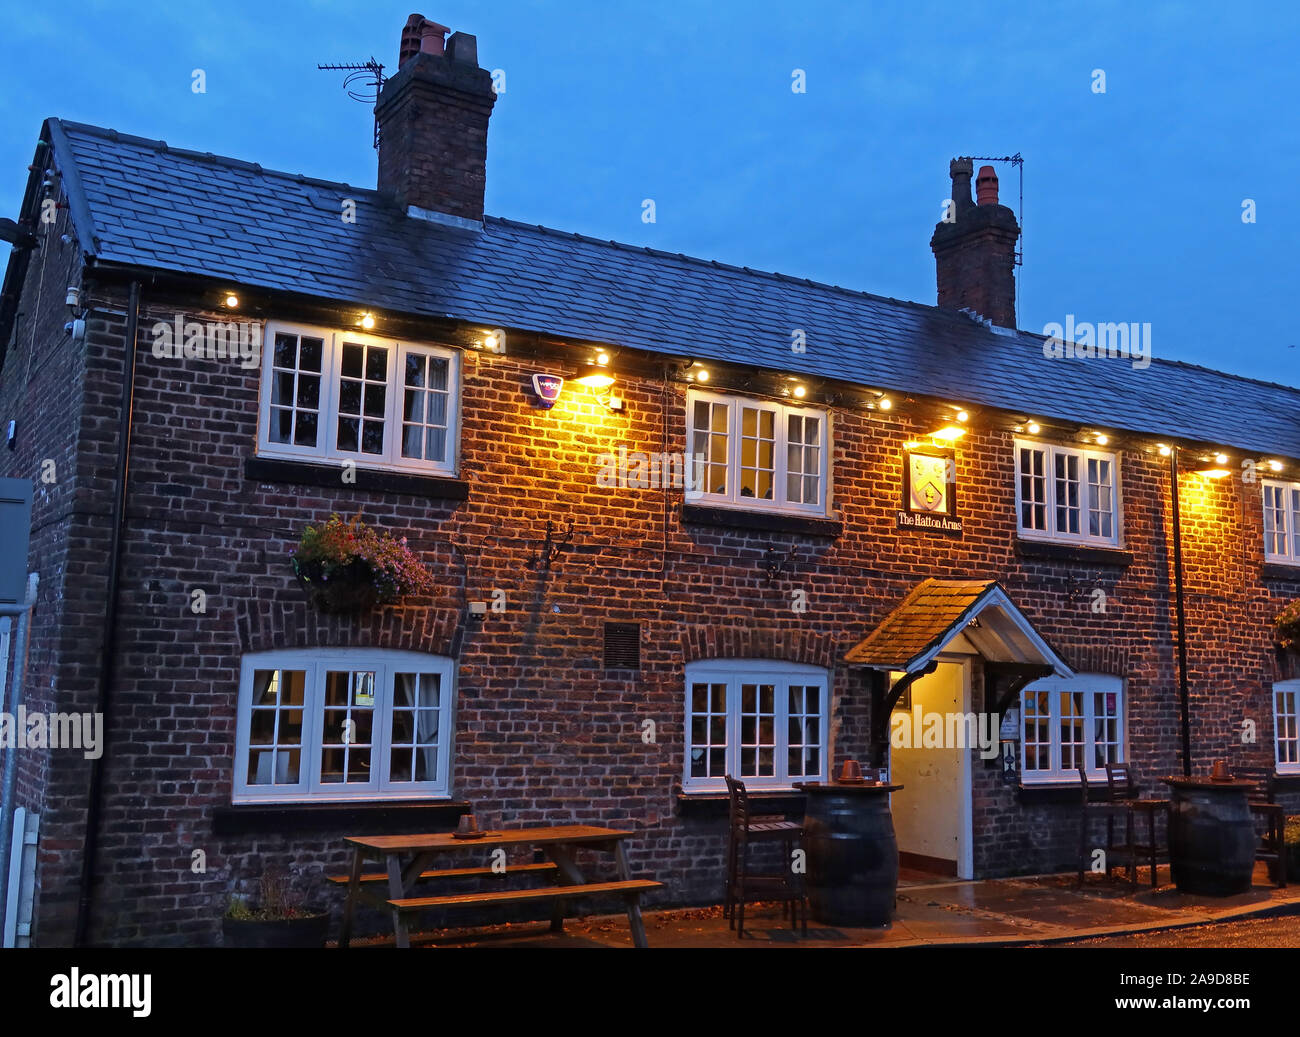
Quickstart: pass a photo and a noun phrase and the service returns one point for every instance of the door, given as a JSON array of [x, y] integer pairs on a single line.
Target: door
[[932, 811]]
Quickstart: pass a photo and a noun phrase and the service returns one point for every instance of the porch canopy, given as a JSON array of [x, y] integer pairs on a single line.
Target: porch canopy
[[954, 615]]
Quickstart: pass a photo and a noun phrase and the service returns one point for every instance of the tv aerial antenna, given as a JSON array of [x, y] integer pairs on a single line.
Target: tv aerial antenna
[[363, 82], [1018, 161]]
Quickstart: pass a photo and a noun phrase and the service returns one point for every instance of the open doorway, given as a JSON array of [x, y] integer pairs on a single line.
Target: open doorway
[[932, 812]]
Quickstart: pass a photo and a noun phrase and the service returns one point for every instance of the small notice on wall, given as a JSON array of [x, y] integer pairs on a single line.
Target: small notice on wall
[[930, 491]]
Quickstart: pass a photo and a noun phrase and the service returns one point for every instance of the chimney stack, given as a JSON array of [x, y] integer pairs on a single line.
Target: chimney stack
[[975, 255], [433, 123]]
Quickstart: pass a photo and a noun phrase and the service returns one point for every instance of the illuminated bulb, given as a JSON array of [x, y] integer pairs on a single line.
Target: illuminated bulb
[[1164, 450], [367, 321], [885, 403], [1220, 458], [595, 381], [963, 416], [232, 300], [602, 359], [800, 392], [702, 375], [1216, 473], [1103, 440], [949, 433], [1275, 466], [1035, 428]]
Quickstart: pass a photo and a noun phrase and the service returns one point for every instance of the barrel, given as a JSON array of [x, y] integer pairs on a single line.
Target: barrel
[[1211, 840], [852, 855]]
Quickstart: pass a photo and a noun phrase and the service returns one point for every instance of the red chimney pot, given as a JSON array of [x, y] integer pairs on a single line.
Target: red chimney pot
[[432, 37], [986, 186]]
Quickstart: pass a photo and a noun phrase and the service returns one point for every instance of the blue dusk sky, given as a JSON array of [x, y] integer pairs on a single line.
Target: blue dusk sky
[[1133, 198]]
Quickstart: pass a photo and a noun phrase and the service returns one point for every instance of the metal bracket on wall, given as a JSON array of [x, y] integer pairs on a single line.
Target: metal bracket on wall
[[776, 564], [553, 546]]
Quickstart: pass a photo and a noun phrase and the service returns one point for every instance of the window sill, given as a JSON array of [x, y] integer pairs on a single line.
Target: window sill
[[306, 473], [1061, 552], [1060, 792], [717, 804], [771, 522], [1275, 570], [372, 817]]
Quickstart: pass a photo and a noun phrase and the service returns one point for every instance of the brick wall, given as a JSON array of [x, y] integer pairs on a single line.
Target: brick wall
[[543, 733]]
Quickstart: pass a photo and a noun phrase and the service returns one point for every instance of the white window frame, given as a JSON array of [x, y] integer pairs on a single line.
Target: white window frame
[[1286, 727], [326, 449], [733, 673], [1084, 455], [1089, 684], [1290, 522], [316, 663], [733, 497]]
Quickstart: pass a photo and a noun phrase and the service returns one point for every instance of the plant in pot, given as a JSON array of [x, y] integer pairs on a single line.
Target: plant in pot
[[1287, 626], [1290, 850], [277, 917], [350, 567]]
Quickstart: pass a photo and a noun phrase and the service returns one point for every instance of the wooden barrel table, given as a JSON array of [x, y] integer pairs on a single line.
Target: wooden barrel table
[[1211, 836], [852, 854]]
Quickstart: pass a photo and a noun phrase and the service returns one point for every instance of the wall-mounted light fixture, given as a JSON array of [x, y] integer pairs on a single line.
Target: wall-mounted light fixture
[[232, 301], [948, 434], [367, 321]]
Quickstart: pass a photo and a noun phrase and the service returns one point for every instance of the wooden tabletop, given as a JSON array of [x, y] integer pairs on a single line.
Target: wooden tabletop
[[539, 836], [838, 787], [1207, 783]]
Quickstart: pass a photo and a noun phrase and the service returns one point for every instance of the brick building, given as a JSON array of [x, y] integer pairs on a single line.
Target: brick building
[[878, 486]]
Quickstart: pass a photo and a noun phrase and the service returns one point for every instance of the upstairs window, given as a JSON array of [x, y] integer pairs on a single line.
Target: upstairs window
[[1068, 494], [756, 454], [336, 396], [1282, 522]]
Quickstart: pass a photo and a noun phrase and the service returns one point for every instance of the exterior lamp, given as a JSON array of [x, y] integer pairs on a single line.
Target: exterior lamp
[[595, 381], [1215, 473], [885, 403], [1102, 440], [1164, 450], [1275, 466], [1220, 459], [949, 433], [367, 321], [1035, 428], [232, 300], [800, 392], [963, 417]]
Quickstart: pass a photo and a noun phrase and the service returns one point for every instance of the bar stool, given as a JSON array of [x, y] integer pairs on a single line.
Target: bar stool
[[742, 830]]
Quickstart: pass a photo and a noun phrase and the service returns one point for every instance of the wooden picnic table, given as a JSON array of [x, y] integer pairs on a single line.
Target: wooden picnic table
[[406, 860]]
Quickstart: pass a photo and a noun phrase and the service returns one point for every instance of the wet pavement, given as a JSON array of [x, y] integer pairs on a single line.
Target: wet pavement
[[1036, 910]]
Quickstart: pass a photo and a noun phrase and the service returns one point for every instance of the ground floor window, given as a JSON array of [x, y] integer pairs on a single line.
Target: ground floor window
[[1286, 697], [1065, 722], [761, 721], [343, 724]]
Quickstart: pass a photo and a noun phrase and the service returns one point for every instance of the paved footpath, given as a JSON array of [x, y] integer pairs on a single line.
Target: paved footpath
[[1033, 910]]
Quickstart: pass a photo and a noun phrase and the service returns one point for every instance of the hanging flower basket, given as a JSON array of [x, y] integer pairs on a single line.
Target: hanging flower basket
[[1288, 628], [349, 567]]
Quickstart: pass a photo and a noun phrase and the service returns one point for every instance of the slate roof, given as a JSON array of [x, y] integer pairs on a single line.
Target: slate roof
[[150, 205]]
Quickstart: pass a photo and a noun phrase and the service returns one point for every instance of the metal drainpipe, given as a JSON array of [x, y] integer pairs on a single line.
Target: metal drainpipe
[[18, 646], [1183, 697], [108, 653]]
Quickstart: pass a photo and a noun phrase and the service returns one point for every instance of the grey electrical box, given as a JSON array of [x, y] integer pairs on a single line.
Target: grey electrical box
[[15, 533]]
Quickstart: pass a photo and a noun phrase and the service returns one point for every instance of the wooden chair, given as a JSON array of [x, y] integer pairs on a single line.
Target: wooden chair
[[1110, 810], [1122, 787], [1272, 847], [742, 887]]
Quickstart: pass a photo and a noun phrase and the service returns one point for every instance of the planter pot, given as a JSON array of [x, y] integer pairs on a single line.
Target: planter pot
[[350, 588], [308, 931]]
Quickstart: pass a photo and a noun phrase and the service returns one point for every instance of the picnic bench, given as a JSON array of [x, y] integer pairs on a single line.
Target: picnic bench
[[406, 861]]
